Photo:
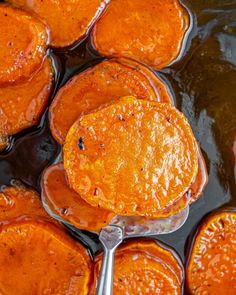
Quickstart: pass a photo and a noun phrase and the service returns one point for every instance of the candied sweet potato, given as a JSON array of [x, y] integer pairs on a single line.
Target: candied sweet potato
[[37, 257], [133, 157], [150, 31], [211, 268], [194, 192], [106, 81], [145, 267], [68, 20], [21, 105], [67, 204], [17, 201], [199, 184], [23, 42]]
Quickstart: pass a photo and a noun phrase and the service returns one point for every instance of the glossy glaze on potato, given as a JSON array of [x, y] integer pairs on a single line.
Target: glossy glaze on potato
[[21, 105], [99, 85], [211, 267], [150, 31], [23, 43], [68, 20], [145, 267], [67, 204], [133, 157], [37, 256]]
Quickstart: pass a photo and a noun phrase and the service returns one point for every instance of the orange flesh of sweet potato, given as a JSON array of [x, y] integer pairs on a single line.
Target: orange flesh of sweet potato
[[149, 31], [99, 85], [68, 20], [23, 42], [133, 157], [62, 265], [21, 105], [38, 257], [17, 201], [70, 206], [66, 203], [211, 267], [199, 184], [194, 192], [144, 267]]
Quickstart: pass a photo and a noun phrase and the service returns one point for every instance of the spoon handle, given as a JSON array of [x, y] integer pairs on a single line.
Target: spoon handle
[[110, 237]]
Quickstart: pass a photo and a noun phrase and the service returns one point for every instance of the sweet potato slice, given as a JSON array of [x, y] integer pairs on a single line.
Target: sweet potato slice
[[21, 105], [18, 201], [67, 204], [150, 31], [198, 186], [23, 41], [145, 267], [194, 192], [36, 257], [106, 81], [68, 20], [211, 265], [133, 157]]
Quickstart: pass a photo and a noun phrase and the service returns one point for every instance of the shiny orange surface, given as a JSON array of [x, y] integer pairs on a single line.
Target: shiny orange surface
[[101, 84], [68, 20], [66, 203], [21, 105], [199, 184], [17, 201], [23, 41], [33, 246], [133, 157], [211, 267], [149, 31], [194, 192], [145, 267], [40, 258]]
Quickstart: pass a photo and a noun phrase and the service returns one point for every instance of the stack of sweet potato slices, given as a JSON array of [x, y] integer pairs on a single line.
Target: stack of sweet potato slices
[[122, 156], [133, 157], [99, 85], [26, 73]]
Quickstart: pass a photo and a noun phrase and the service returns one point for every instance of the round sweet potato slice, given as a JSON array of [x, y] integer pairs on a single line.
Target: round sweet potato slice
[[150, 31], [21, 105], [68, 20], [133, 157], [145, 267], [211, 267], [23, 42], [99, 85], [67, 204], [37, 257], [18, 201]]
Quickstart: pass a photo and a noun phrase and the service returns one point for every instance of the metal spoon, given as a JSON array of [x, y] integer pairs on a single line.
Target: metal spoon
[[131, 227]]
